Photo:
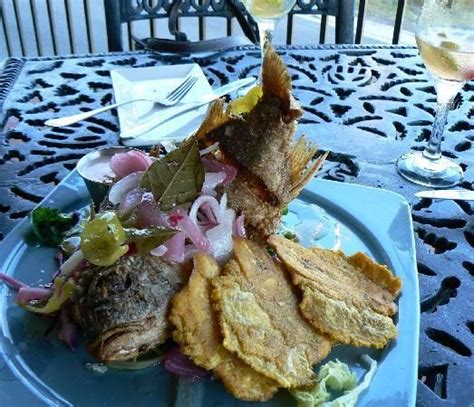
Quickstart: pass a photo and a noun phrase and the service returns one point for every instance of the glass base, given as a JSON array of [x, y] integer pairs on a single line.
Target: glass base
[[440, 173]]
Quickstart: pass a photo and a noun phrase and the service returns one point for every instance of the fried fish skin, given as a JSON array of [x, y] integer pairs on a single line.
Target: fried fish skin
[[272, 169], [197, 331], [261, 143], [260, 140], [260, 320], [349, 298], [123, 308]]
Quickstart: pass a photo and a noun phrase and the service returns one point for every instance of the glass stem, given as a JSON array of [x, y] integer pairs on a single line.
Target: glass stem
[[433, 149], [446, 91]]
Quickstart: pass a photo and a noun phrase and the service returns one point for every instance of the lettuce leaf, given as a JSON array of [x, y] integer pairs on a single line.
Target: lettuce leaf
[[349, 398], [335, 376]]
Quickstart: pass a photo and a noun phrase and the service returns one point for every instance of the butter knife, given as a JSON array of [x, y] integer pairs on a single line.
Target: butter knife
[[456, 194], [171, 112]]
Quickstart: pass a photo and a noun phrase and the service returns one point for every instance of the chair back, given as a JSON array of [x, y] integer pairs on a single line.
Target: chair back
[[119, 12], [342, 10]]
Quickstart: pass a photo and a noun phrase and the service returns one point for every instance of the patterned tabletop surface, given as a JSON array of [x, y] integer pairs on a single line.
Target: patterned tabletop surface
[[367, 105]]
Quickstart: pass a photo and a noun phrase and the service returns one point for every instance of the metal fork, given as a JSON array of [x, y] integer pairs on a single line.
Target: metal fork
[[170, 99]]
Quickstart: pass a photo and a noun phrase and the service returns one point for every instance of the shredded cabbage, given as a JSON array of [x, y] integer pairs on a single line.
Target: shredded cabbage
[[336, 376]]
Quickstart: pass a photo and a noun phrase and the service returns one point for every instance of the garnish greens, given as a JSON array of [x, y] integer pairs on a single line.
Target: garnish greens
[[177, 178], [291, 236], [50, 225], [335, 376], [104, 239]]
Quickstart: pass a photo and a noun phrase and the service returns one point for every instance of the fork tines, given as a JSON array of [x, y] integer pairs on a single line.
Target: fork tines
[[182, 89]]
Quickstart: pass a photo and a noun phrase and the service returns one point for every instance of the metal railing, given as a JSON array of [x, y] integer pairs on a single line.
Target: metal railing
[[51, 27]]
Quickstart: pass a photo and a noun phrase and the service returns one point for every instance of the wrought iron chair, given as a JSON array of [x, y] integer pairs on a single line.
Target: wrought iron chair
[[119, 12]]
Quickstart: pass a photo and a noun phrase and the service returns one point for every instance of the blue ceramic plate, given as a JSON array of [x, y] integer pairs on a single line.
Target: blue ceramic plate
[[36, 372]]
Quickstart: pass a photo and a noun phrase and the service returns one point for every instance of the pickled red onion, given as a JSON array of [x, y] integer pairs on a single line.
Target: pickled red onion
[[12, 282], [191, 229], [122, 187], [239, 227], [216, 166], [211, 181], [159, 251], [124, 164], [149, 214], [26, 294], [189, 251], [130, 201], [179, 364], [175, 248], [209, 149], [206, 210], [220, 237], [212, 205], [68, 331]]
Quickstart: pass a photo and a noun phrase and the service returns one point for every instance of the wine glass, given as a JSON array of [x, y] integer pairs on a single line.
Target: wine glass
[[445, 38], [267, 13]]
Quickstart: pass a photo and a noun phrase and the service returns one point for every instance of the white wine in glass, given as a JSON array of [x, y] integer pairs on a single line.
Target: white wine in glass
[[445, 38], [267, 13]]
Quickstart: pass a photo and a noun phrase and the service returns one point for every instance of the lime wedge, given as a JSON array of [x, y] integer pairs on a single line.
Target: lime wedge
[[439, 60], [247, 102], [449, 45]]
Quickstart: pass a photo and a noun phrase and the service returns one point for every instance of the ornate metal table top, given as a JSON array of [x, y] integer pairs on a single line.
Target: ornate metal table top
[[367, 105]]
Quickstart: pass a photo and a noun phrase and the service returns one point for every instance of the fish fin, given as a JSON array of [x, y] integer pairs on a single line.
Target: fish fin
[[276, 81], [216, 116], [306, 175], [301, 154]]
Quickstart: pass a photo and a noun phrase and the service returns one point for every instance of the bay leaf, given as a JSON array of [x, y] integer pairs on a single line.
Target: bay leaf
[[176, 178], [150, 237]]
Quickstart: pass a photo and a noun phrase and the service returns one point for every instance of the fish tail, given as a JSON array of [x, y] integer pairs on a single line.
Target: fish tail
[[276, 80]]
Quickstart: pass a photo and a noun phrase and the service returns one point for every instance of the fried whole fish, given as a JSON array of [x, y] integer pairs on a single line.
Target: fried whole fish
[[260, 319], [123, 308], [198, 333], [350, 299], [272, 169]]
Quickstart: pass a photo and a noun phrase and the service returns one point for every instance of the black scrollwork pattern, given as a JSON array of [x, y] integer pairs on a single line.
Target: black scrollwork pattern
[[367, 105], [142, 8], [139, 8]]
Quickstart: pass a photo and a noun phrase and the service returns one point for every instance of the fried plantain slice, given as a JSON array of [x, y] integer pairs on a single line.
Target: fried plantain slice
[[260, 320], [244, 382], [349, 298], [197, 331]]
